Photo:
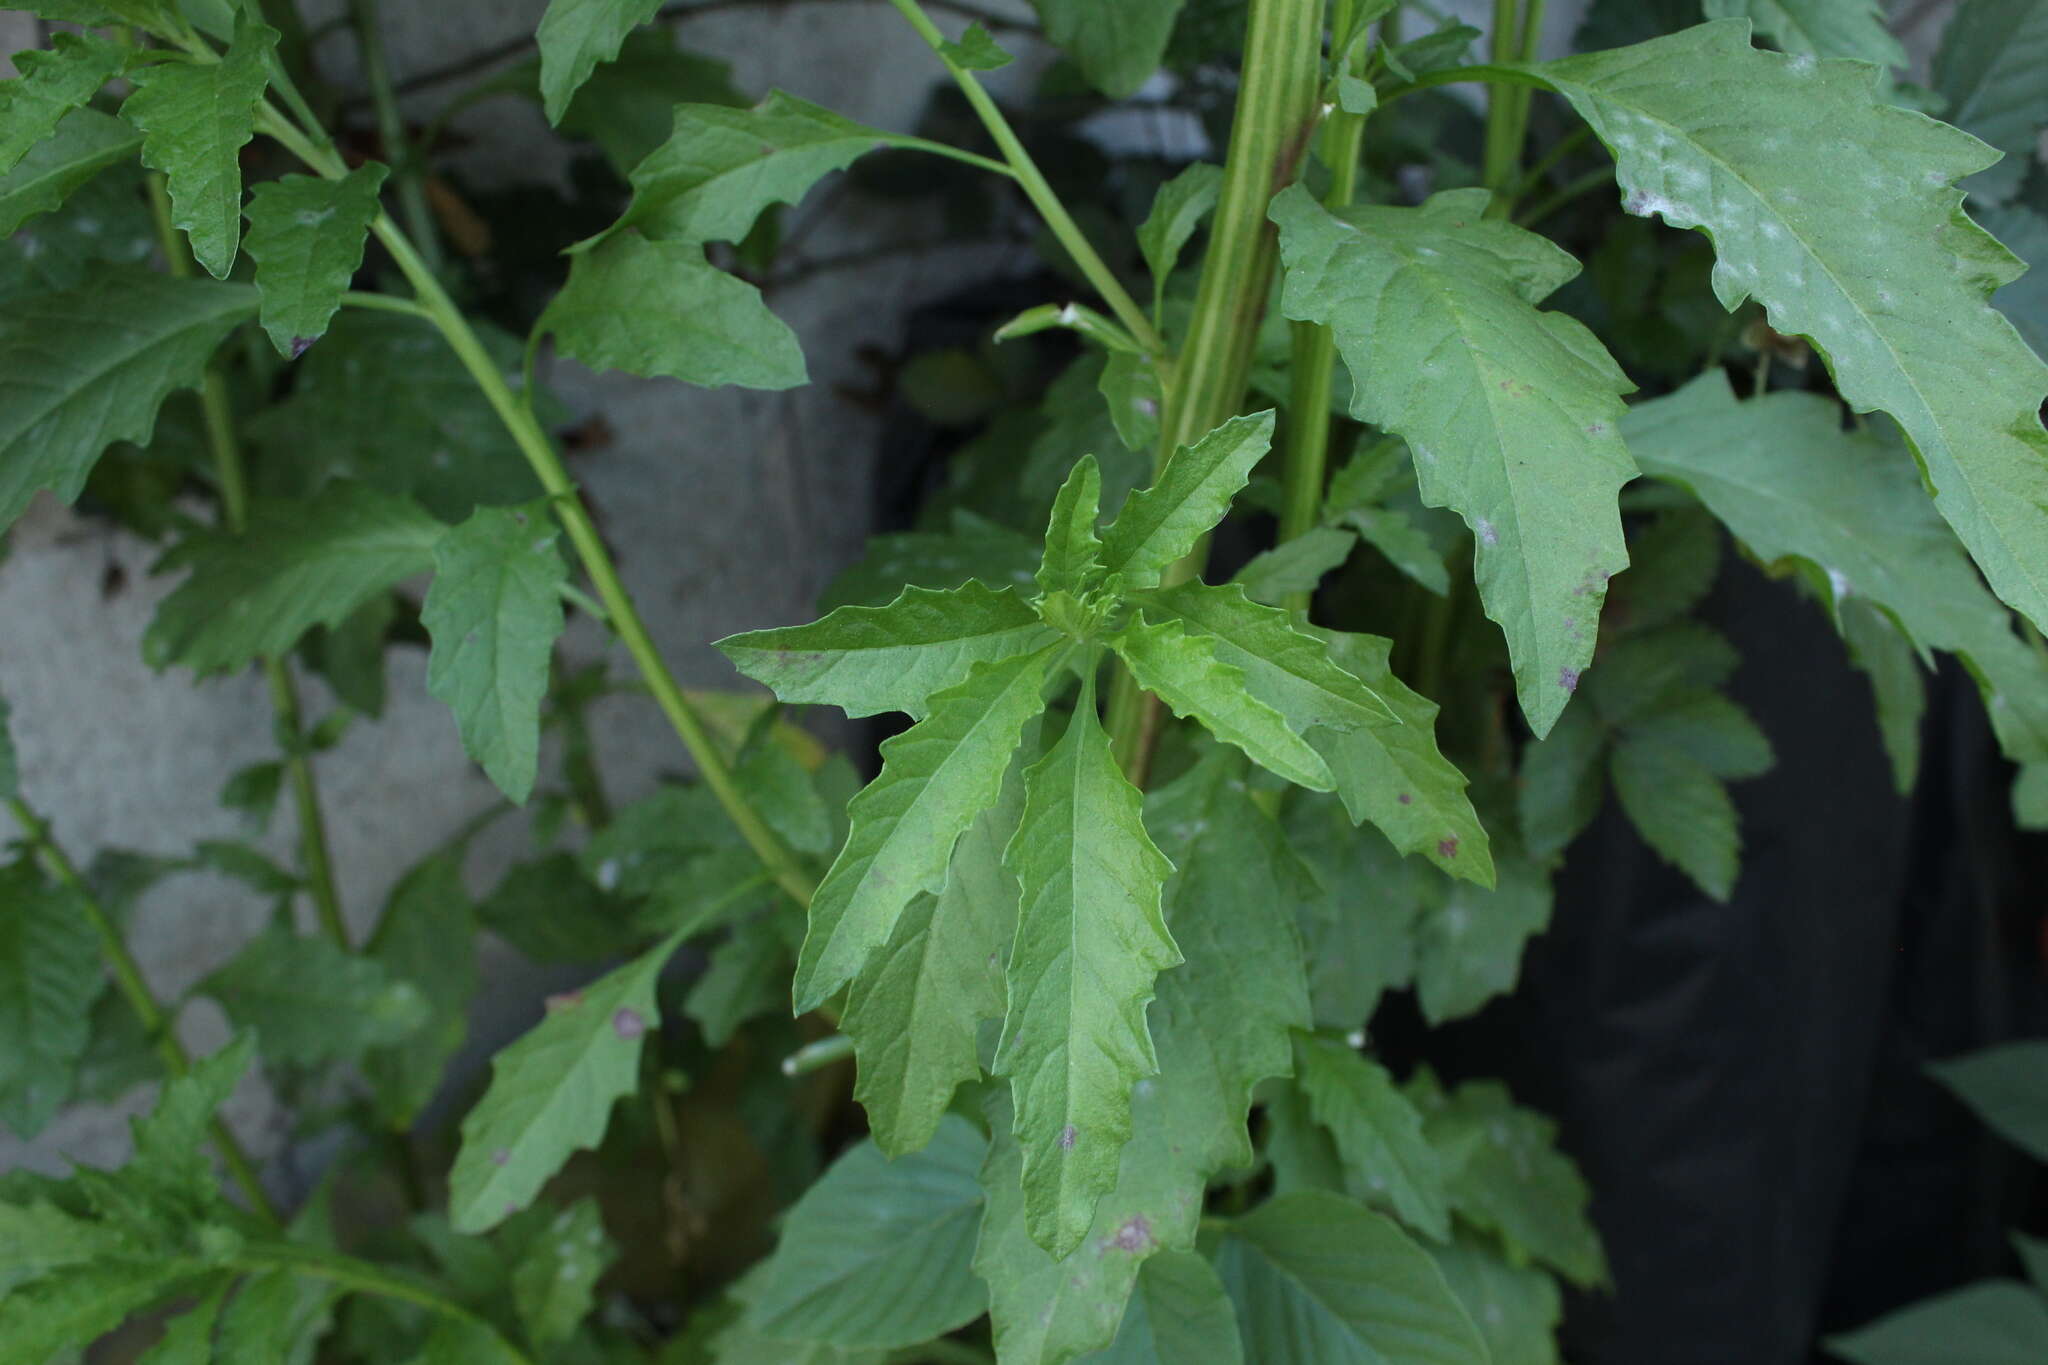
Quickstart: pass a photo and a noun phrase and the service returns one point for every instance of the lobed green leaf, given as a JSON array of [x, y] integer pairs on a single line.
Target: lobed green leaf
[[52, 82], [1512, 413], [50, 974], [306, 236], [1377, 1131], [575, 36], [1160, 524], [313, 1002]]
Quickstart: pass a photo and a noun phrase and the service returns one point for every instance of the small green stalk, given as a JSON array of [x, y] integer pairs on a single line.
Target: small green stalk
[[1275, 118], [1035, 187], [315, 862], [1517, 29], [517, 417], [409, 173], [359, 1277], [156, 1025], [1314, 367]]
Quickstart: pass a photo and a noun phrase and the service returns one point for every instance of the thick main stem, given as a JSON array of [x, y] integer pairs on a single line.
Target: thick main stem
[[156, 1025], [1307, 454], [217, 414], [1275, 118]]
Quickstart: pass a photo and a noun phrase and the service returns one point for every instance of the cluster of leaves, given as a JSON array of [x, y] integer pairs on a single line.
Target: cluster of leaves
[[1107, 1033]]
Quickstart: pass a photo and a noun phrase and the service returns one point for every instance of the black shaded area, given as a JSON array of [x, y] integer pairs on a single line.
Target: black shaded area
[[1742, 1083]]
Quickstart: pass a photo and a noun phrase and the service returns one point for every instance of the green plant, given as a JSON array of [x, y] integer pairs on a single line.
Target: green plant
[[1100, 970]]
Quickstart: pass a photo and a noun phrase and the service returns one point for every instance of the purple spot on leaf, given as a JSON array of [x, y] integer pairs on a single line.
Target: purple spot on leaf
[[500, 1157], [1405, 799], [510, 1208], [301, 345], [1447, 848], [1568, 679], [1067, 1136], [627, 1023], [1134, 1235]]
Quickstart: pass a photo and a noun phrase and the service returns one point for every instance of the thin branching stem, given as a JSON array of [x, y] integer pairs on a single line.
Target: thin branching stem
[[1033, 182], [316, 864], [409, 174]]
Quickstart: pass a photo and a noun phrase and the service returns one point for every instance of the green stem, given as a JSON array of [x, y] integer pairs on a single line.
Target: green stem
[[1035, 187], [409, 174], [1307, 452], [218, 416], [1517, 28], [360, 1277], [826, 1051], [533, 443], [156, 1025], [1275, 117]]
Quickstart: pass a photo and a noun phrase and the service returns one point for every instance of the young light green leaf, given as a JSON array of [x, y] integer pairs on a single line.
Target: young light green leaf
[[82, 369], [1819, 28], [53, 82], [552, 1092], [936, 778], [1177, 210], [1512, 413], [1505, 1174], [1090, 940], [85, 143], [1795, 487], [1468, 948], [426, 938], [1072, 562], [575, 36], [172, 1166], [194, 118], [1988, 68], [1856, 240], [2002, 1085], [1298, 565], [312, 1002], [1394, 775], [1287, 670], [1377, 1131], [49, 976], [721, 167], [1515, 1307], [1996, 1322], [554, 1283], [306, 236], [1681, 810], [1118, 46], [1188, 674], [660, 308], [1160, 524], [976, 51], [876, 1254], [493, 613], [914, 1010], [297, 565], [1318, 1280], [1179, 1312]]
